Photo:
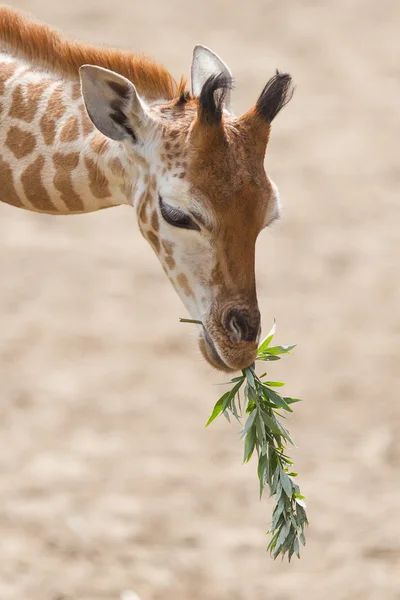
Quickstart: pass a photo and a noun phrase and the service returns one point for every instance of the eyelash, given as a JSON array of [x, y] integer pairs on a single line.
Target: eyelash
[[176, 218]]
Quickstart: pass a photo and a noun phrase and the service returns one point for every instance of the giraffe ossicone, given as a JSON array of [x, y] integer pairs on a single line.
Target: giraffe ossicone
[[130, 134]]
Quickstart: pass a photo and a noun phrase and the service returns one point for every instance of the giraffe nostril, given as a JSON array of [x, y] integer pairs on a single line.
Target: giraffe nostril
[[243, 325], [236, 329]]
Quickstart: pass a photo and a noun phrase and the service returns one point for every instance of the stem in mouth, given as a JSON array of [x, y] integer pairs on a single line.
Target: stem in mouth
[[190, 321]]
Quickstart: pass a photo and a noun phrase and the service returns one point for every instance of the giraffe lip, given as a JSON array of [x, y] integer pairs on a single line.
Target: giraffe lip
[[213, 350]]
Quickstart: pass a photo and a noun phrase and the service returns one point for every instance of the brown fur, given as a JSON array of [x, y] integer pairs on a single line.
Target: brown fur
[[24, 105], [7, 71], [238, 194], [64, 165], [142, 208], [99, 144], [154, 221], [54, 111], [170, 263], [116, 167], [34, 189], [168, 247], [56, 103], [87, 125], [48, 128], [154, 241], [20, 142], [76, 91], [43, 46], [70, 130], [183, 283], [9, 193], [98, 181]]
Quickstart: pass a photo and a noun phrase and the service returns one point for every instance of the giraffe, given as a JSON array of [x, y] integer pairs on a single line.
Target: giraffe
[[85, 128]]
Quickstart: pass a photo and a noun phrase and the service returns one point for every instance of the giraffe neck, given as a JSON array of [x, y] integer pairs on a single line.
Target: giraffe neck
[[52, 160]]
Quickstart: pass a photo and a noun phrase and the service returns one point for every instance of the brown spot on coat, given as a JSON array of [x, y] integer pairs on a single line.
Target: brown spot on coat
[[20, 142], [116, 166], [98, 181], [56, 105], [183, 283], [54, 111], [48, 128], [154, 241], [7, 70], [99, 144], [70, 130], [168, 247], [76, 91], [87, 125], [34, 189], [143, 201], [153, 184], [170, 262], [24, 103], [64, 164], [154, 221], [8, 191]]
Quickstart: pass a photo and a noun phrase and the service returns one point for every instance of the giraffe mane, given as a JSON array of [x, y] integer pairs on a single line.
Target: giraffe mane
[[45, 47]]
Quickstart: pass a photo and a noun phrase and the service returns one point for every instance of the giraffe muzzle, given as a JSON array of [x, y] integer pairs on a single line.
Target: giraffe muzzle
[[230, 343]]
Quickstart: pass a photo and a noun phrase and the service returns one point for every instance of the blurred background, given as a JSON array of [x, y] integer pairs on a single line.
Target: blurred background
[[108, 479]]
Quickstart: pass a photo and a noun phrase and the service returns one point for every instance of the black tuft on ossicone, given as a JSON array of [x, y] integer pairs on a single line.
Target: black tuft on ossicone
[[212, 96], [276, 94]]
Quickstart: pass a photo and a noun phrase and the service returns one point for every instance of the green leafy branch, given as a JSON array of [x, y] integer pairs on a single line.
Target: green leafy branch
[[264, 433]]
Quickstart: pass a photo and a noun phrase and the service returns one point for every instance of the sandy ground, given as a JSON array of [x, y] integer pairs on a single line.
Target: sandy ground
[[108, 479]]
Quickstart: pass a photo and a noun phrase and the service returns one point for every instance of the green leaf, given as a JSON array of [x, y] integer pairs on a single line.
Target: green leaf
[[276, 515], [272, 426], [274, 383], [266, 341], [284, 532], [302, 515], [236, 388], [296, 547], [286, 484], [249, 444], [276, 398], [226, 415], [260, 428], [250, 376], [279, 350], [250, 420], [291, 400], [241, 378], [300, 501], [267, 357], [217, 408]]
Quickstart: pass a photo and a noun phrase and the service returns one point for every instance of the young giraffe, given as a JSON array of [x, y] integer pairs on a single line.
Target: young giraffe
[[193, 171]]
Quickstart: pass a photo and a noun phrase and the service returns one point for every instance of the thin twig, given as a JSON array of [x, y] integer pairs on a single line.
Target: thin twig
[[190, 321]]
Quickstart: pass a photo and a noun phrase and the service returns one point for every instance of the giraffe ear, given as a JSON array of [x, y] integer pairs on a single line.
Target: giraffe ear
[[206, 63], [113, 104]]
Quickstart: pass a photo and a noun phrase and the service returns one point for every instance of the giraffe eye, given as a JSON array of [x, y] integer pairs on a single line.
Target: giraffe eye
[[176, 218]]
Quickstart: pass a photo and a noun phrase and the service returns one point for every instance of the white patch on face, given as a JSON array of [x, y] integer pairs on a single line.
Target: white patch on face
[[192, 253], [275, 205]]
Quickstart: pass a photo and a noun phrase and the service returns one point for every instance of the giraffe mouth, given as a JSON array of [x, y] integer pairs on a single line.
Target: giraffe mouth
[[210, 351]]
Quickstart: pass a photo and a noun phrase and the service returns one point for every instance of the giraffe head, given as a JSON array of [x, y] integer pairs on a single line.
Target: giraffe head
[[203, 195]]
